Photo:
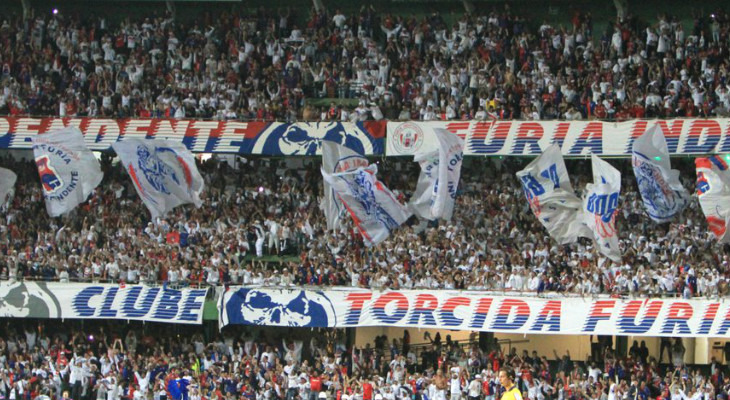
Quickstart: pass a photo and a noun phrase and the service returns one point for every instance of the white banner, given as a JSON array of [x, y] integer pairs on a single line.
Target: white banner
[[600, 204], [476, 311], [163, 172], [68, 170], [337, 158], [28, 299], [575, 138], [551, 197], [661, 191], [713, 191]]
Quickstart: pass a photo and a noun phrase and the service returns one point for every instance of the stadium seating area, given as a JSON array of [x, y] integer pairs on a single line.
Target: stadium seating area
[[262, 208], [492, 64], [110, 362], [261, 223]]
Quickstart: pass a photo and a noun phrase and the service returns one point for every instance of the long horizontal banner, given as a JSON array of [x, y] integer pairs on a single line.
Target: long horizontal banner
[[474, 311], [575, 138], [265, 138], [101, 301]]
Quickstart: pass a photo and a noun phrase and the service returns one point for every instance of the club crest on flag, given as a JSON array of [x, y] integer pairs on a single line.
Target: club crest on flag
[[361, 188], [49, 177]]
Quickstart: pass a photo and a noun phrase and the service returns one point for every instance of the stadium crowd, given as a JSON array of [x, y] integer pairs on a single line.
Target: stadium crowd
[[113, 361], [489, 64], [262, 207]]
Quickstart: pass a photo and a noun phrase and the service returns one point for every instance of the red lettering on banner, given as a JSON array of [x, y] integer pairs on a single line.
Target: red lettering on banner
[[677, 316], [672, 132], [231, 139], [528, 135], [591, 138], [424, 306], [638, 129], [459, 128], [599, 312], [561, 131], [55, 124], [357, 301], [480, 314], [101, 133], [137, 128], [549, 317], [712, 132], [205, 131], [171, 129], [24, 129]]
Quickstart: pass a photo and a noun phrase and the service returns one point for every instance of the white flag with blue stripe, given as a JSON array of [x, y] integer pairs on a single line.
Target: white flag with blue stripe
[[373, 207], [663, 194], [548, 191], [600, 204], [163, 172]]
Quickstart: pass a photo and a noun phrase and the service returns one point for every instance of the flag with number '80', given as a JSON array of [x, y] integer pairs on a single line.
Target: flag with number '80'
[[548, 190]]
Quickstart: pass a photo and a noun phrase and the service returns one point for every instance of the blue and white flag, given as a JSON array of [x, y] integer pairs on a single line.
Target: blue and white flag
[[7, 187], [337, 158], [433, 200], [600, 204], [68, 170], [663, 194], [373, 207], [547, 188], [163, 172], [713, 192]]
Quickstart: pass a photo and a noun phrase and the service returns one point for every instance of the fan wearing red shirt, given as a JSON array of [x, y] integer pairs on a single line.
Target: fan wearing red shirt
[[367, 390], [315, 385]]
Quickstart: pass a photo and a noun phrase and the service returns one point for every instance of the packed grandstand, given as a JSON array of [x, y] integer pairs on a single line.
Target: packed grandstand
[[257, 243]]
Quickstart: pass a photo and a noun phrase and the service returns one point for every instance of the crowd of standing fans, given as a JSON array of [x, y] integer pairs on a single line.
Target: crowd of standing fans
[[261, 224], [114, 361], [493, 63]]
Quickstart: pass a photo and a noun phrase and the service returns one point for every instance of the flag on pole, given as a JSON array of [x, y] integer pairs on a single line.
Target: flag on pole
[[663, 194], [163, 172], [432, 199], [373, 207], [548, 191], [335, 159], [68, 170], [600, 204], [713, 192]]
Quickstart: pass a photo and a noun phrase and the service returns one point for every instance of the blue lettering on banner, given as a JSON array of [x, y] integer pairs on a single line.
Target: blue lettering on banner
[[191, 307], [129, 305], [168, 306], [106, 308], [80, 303], [138, 302]]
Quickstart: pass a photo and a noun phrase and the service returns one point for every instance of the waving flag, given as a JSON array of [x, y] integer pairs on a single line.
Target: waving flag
[[659, 185], [163, 172], [372, 206], [713, 191], [433, 200], [335, 159], [68, 170], [7, 183], [600, 204], [548, 190]]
